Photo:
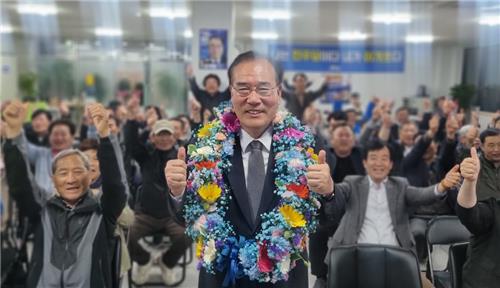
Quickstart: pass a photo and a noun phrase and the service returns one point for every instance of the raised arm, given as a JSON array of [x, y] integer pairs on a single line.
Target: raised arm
[[195, 89], [114, 190], [477, 217], [22, 187]]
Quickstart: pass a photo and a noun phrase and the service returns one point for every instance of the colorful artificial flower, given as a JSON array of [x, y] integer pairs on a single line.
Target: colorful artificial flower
[[210, 252], [199, 247], [301, 191], [231, 122], [205, 164], [264, 263], [205, 130], [292, 217], [209, 192], [314, 156]]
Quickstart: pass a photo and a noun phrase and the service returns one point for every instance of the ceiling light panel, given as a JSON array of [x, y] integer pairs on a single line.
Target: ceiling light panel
[[108, 32], [392, 18], [490, 20], [419, 38], [168, 13], [271, 15], [37, 9], [265, 36], [352, 36]]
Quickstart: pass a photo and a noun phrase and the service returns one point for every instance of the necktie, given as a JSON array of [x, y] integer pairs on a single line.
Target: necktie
[[255, 176]]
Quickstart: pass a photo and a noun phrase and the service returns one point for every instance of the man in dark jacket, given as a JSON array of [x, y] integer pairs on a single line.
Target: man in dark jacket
[[155, 210], [482, 268], [74, 239], [209, 97]]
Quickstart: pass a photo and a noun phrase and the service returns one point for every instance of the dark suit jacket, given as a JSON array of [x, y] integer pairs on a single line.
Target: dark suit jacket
[[482, 268], [352, 194], [239, 215]]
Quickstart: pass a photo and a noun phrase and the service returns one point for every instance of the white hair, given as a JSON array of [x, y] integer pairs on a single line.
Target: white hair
[[68, 152]]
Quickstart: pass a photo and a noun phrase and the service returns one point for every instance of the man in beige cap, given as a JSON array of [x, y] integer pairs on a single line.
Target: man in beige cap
[[153, 204]]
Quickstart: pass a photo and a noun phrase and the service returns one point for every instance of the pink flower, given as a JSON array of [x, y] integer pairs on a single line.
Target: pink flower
[[264, 264], [231, 122], [293, 133]]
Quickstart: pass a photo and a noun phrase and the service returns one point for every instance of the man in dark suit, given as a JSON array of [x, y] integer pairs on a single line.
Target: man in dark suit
[[377, 206], [482, 268], [255, 96]]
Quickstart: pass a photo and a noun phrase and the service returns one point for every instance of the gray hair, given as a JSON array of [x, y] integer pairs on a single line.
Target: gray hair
[[462, 131], [68, 152]]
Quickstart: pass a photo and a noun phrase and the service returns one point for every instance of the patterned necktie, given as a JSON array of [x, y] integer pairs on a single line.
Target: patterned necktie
[[255, 176]]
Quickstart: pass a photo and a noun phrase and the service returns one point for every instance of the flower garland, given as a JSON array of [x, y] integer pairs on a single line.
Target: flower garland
[[283, 233]]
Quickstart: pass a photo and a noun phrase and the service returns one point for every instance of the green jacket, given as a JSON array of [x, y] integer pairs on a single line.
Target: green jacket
[[488, 184]]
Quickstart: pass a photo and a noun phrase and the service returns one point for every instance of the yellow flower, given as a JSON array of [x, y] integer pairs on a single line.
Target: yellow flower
[[209, 192], [199, 247], [292, 217], [313, 155], [205, 130]]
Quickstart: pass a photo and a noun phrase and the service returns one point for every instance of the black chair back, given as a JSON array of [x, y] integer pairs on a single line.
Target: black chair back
[[373, 266], [444, 230], [458, 255]]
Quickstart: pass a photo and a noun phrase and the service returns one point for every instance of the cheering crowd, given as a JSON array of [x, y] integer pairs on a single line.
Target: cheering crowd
[[380, 173]]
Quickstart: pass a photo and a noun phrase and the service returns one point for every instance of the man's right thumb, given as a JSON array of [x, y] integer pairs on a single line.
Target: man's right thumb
[[473, 153], [181, 154]]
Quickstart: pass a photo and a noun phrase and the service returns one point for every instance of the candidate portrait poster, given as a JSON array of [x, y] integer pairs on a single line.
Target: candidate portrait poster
[[213, 49]]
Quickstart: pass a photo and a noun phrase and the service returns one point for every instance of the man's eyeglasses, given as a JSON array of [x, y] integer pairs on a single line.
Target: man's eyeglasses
[[263, 91]]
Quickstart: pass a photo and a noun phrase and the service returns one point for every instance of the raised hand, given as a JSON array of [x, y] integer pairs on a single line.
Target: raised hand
[[451, 127], [189, 71], [433, 125], [452, 179], [470, 167], [318, 176], [175, 173], [99, 116], [14, 115]]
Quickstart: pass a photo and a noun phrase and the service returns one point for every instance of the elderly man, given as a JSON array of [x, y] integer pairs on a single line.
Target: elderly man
[[239, 249], [489, 180], [377, 206], [482, 268], [74, 238]]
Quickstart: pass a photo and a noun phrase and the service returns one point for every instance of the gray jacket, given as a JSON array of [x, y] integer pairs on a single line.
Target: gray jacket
[[352, 195]]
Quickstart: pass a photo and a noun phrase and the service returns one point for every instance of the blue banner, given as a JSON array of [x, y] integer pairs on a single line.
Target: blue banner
[[339, 58]]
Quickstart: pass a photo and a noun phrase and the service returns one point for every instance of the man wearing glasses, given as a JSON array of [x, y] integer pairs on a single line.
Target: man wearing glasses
[[255, 95]]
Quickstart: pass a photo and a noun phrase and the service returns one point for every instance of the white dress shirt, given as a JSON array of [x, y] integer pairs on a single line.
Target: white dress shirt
[[377, 226], [266, 139], [245, 139]]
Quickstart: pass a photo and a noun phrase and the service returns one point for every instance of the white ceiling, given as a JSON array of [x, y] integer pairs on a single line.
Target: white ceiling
[[454, 22]]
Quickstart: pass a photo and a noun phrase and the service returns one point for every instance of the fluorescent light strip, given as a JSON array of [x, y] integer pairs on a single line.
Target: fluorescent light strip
[[492, 20], [37, 9], [394, 18], [108, 32], [4, 29], [265, 35], [419, 38], [168, 13], [352, 36], [271, 15]]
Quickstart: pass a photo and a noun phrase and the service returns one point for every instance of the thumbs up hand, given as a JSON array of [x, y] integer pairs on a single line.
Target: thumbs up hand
[[470, 167], [451, 179], [175, 173], [318, 176]]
